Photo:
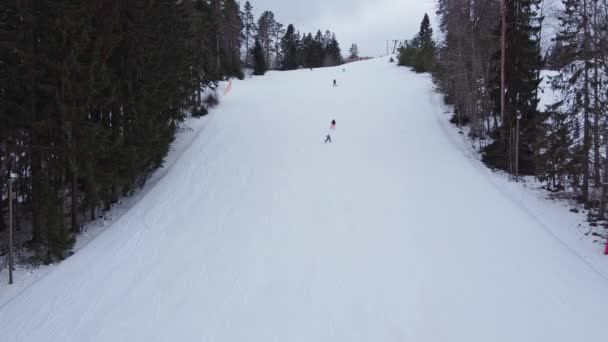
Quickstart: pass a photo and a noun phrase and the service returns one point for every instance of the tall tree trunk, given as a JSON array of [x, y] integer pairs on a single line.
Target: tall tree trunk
[[37, 175], [604, 198], [247, 48], [31, 62], [596, 127], [2, 223], [596, 106], [503, 59], [586, 122], [74, 199], [4, 156]]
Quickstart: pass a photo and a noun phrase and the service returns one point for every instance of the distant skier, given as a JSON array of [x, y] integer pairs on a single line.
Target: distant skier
[[333, 124], [328, 139], [335, 83]]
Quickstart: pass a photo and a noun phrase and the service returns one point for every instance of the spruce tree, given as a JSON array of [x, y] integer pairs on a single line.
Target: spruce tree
[[91, 100], [299, 48], [419, 53], [425, 58], [333, 54], [354, 51], [307, 51], [317, 50], [575, 83], [232, 27], [555, 158], [93, 92], [523, 62], [289, 45]]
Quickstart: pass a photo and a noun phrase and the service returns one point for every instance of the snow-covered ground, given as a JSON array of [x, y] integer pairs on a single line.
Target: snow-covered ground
[[260, 232], [557, 212], [547, 95], [24, 275]]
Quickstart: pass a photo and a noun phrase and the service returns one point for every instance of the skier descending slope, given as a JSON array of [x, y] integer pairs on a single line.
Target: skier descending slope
[[328, 139], [335, 83], [333, 124]]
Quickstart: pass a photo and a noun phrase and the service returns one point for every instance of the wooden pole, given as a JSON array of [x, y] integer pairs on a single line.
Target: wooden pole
[[517, 149], [510, 160], [503, 58], [10, 231]]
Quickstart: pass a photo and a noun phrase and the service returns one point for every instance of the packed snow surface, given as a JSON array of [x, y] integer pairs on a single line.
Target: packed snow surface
[[261, 232]]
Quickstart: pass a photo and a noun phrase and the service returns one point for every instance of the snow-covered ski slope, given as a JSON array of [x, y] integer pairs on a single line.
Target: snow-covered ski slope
[[260, 232]]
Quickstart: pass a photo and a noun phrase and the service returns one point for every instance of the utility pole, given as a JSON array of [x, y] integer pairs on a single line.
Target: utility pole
[[10, 228]]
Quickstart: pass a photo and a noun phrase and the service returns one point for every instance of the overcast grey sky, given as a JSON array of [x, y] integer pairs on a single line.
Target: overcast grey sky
[[369, 23]]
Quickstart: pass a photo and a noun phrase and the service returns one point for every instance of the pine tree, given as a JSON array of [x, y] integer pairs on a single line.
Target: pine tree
[[277, 32], [259, 60], [265, 34], [249, 29], [215, 31]]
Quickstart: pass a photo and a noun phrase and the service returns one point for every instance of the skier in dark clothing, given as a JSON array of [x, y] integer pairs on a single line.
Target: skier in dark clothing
[[335, 83], [328, 139], [333, 124]]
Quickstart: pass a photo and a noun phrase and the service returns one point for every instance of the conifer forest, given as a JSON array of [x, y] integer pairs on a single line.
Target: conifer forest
[[523, 49], [92, 93]]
